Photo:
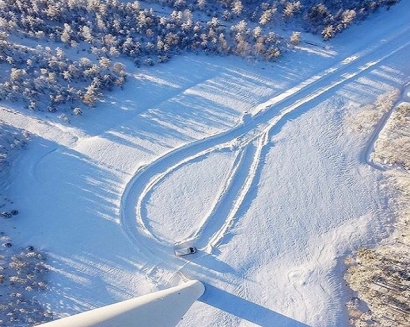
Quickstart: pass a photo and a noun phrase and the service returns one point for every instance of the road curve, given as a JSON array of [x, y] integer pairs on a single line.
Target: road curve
[[250, 136]]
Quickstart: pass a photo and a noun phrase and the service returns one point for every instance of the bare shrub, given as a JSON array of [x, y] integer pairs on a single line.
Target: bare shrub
[[382, 281], [381, 277], [367, 117], [393, 145], [22, 276]]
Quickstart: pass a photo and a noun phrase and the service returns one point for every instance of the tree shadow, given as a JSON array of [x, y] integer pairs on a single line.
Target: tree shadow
[[246, 309]]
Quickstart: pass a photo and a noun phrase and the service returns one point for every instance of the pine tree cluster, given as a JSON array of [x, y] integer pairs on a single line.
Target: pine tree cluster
[[46, 78]]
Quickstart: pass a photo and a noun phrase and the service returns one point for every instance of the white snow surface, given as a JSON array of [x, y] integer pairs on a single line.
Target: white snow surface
[[250, 162]]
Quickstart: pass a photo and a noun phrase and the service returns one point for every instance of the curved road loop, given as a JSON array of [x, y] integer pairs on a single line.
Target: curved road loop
[[248, 140]]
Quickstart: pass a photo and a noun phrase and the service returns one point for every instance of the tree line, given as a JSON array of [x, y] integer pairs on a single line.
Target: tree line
[[46, 77]]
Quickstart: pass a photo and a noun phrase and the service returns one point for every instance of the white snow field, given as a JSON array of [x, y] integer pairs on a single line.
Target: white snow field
[[252, 163]]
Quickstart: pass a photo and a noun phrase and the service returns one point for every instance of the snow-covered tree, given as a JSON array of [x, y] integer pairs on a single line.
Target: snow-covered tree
[[295, 38], [237, 7], [328, 32]]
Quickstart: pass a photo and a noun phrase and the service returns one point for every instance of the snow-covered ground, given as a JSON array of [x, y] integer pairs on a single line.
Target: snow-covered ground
[[252, 163]]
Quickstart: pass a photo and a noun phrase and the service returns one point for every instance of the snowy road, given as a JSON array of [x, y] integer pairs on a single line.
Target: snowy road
[[246, 141], [254, 163]]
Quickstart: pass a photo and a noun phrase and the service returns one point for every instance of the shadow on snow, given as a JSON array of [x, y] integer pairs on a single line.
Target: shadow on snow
[[246, 309]]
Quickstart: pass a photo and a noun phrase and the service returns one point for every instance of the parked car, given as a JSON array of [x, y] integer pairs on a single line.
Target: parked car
[[181, 251]]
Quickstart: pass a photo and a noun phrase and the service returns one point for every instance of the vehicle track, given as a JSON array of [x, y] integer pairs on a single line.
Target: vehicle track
[[250, 136]]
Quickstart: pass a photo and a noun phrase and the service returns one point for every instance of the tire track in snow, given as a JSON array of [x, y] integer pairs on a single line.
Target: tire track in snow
[[256, 128], [241, 195], [225, 197], [275, 124]]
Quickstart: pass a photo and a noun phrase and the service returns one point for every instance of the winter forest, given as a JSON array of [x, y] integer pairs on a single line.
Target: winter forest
[[60, 58], [83, 40]]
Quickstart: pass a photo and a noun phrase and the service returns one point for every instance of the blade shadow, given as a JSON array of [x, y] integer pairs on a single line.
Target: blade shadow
[[246, 309]]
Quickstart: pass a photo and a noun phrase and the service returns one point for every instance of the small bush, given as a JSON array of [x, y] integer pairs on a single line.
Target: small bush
[[23, 275]]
